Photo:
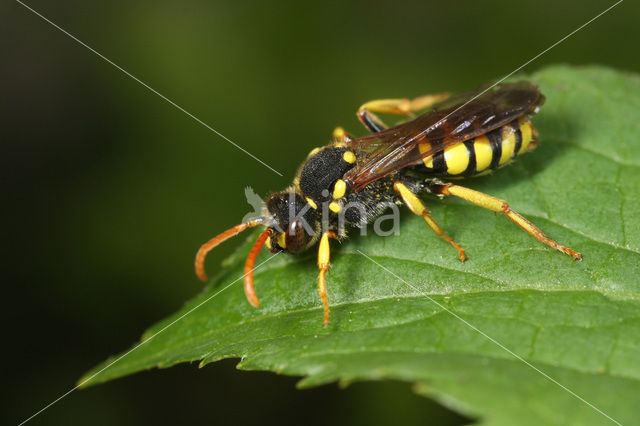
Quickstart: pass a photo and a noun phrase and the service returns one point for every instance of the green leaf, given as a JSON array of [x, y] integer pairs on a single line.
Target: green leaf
[[578, 322]]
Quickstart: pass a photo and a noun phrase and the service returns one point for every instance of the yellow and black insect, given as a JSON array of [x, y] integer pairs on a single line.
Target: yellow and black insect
[[350, 181]]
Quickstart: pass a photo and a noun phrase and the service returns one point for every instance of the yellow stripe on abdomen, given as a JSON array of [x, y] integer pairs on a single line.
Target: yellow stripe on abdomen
[[508, 145], [484, 153], [428, 161], [527, 132], [480, 155], [456, 158]]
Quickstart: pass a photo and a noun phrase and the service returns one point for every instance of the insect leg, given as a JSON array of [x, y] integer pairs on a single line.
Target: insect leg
[[415, 205], [366, 113], [500, 206], [426, 101], [324, 254]]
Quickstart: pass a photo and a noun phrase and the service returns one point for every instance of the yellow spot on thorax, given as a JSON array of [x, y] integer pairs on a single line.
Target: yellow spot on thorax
[[349, 157], [456, 158], [339, 189], [338, 133], [484, 153], [335, 207], [314, 151]]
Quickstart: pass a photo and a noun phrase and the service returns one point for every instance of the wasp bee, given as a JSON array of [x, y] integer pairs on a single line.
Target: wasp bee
[[351, 181]]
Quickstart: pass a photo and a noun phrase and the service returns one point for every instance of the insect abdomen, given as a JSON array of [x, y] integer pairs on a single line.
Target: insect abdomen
[[480, 155]]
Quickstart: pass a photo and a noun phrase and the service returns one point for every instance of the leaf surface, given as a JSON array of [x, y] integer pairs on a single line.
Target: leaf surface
[[454, 329]]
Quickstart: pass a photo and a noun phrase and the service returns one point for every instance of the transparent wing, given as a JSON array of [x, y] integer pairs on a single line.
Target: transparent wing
[[457, 119]]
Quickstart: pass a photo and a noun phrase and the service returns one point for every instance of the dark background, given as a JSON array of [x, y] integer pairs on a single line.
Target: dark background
[[108, 190]]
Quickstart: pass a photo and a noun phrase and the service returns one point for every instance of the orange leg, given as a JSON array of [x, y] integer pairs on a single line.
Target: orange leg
[[500, 206]]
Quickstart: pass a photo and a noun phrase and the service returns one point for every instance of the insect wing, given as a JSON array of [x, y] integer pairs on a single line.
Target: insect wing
[[455, 120]]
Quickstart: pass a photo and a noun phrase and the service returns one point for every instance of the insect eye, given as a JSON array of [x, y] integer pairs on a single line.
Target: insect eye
[[295, 236]]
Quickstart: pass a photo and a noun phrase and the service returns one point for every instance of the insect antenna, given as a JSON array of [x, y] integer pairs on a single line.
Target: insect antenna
[[249, 289], [215, 241]]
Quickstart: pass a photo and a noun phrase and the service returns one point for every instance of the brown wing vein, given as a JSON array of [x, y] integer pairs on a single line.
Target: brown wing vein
[[456, 120]]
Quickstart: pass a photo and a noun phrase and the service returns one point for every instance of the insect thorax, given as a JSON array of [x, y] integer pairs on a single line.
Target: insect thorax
[[321, 171]]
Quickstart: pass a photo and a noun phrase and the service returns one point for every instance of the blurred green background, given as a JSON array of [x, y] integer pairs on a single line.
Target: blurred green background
[[108, 190]]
